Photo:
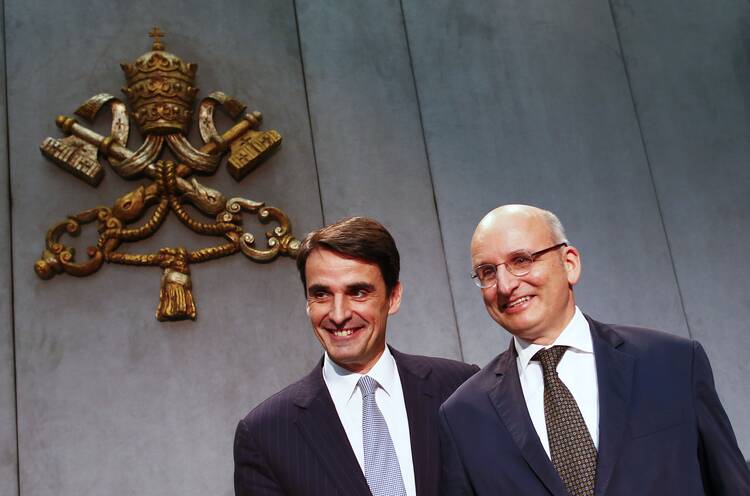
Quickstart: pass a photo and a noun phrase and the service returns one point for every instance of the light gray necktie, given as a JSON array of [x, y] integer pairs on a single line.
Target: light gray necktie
[[382, 471]]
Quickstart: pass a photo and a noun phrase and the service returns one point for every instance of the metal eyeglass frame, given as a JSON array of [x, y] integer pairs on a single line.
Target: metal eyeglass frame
[[531, 256]]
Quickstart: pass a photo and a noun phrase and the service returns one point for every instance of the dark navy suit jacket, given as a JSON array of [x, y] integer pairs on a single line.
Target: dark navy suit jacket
[[662, 429], [294, 444]]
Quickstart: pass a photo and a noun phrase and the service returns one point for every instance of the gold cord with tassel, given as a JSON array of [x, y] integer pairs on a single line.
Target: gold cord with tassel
[[176, 294]]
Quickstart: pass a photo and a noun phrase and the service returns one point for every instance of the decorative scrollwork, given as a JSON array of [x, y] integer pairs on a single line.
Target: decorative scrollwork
[[161, 91]]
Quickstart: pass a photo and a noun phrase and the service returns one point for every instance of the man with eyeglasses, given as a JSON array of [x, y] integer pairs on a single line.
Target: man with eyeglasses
[[574, 406]]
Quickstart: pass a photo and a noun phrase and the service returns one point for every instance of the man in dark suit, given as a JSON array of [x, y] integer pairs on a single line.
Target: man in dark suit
[[574, 406], [364, 421]]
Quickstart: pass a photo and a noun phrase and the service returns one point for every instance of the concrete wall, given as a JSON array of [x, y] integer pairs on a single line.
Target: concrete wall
[[8, 454], [370, 152], [690, 78], [110, 400], [629, 119]]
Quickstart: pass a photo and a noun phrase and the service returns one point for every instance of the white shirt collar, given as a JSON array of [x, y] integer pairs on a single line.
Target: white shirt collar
[[576, 335], [342, 383]]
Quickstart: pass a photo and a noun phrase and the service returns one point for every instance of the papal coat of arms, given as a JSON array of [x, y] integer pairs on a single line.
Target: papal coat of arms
[[160, 90]]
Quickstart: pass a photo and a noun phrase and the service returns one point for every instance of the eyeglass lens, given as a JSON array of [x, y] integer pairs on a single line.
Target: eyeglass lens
[[519, 265]]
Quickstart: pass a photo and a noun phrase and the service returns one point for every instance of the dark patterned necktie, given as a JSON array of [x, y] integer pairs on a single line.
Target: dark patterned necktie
[[573, 452], [382, 470]]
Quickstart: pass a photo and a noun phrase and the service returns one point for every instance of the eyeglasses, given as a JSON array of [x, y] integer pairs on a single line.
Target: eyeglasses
[[485, 275]]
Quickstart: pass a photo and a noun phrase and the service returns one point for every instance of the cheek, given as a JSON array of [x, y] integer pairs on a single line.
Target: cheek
[[536, 277], [489, 296], [316, 314], [367, 311]]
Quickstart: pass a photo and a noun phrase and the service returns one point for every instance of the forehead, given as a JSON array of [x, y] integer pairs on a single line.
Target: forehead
[[329, 268], [499, 236]]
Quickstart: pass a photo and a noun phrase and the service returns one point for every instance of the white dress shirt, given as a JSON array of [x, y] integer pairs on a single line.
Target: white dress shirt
[[347, 398], [577, 370]]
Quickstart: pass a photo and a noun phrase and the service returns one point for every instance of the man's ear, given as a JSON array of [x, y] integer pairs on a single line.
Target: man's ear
[[395, 298], [572, 263]]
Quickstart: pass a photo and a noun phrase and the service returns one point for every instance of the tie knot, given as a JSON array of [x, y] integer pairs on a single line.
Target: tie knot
[[367, 385], [550, 357]]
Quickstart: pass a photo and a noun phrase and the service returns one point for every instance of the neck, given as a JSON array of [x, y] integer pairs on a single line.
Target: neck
[[549, 336]]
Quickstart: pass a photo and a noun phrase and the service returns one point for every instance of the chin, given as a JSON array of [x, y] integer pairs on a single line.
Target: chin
[[523, 323], [527, 332]]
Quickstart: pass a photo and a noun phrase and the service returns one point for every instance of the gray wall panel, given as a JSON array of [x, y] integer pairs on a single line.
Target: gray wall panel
[[521, 101], [371, 155], [8, 452], [109, 399], [527, 102], [691, 81]]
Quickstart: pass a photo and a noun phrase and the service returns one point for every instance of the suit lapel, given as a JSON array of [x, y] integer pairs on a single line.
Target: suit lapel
[[614, 370], [507, 398], [320, 426], [421, 401]]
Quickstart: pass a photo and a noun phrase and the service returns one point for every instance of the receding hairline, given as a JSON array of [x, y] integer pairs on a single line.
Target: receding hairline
[[554, 226]]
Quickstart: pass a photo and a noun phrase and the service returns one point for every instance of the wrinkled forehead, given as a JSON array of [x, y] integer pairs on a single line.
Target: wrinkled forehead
[[498, 236]]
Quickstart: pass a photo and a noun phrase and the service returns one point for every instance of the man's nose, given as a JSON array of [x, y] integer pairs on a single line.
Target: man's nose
[[340, 311], [506, 282]]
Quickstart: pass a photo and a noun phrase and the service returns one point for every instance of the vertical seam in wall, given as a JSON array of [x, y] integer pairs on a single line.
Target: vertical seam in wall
[[309, 115], [650, 168], [10, 249], [432, 182]]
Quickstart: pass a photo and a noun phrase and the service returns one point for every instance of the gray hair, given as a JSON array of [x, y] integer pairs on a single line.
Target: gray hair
[[555, 226]]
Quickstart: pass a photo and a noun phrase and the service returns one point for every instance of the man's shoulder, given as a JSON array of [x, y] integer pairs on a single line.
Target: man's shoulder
[[641, 339], [656, 353], [478, 385], [438, 365], [282, 406]]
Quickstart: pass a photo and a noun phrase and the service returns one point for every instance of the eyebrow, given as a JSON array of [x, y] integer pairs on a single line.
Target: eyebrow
[[518, 252], [315, 288], [360, 286], [351, 288], [510, 255]]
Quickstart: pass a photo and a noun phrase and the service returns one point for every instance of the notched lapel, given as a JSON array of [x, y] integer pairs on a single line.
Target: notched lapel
[[614, 370], [322, 430], [507, 398]]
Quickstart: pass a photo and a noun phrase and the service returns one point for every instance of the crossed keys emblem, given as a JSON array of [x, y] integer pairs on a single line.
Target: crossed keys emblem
[[161, 93]]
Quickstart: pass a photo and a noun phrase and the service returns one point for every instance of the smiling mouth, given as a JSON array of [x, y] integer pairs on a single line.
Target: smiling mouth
[[342, 333], [516, 303]]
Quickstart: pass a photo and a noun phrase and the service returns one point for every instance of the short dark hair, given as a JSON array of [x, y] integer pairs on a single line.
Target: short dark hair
[[355, 237]]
